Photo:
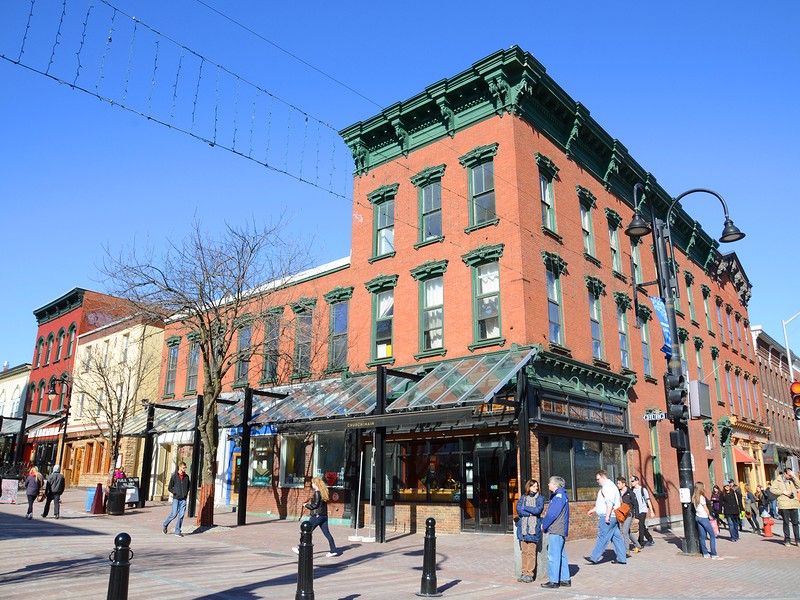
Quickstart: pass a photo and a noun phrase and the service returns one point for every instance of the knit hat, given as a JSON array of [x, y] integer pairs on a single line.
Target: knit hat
[[57, 469]]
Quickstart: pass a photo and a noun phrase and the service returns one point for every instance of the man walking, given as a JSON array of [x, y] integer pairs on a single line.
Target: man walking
[[608, 499], [556, 523], [644, 506], [179, 488], [55, 487], [786, 486]]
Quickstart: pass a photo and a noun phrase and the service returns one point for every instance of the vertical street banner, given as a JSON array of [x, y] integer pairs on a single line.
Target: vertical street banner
[[661, 312]]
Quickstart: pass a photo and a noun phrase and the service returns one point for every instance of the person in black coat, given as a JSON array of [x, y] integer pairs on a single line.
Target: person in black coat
[[179, 486], [318, 511], [731, 509], [55, 487]]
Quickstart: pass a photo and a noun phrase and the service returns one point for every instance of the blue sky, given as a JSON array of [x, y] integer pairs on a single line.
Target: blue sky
[[701, 94]]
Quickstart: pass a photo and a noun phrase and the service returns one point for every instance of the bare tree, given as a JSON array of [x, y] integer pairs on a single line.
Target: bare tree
[[214, 288], [113, 380]]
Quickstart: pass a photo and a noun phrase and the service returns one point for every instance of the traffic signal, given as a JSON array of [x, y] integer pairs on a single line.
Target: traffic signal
[[675, 387], [794, 391]]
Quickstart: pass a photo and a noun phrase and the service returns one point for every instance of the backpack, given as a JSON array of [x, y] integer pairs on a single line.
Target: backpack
[[769, 494]]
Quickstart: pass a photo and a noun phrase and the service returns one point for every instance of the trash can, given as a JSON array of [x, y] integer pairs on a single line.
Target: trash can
[[116, 501], [90, 498]]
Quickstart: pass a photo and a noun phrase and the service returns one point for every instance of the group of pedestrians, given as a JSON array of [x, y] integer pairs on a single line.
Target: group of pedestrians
[[47, 490]]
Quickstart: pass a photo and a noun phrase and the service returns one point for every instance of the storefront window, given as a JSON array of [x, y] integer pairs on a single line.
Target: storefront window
[[429, 472], [262, 461], [329, 458], [577, 461], [293, 461]]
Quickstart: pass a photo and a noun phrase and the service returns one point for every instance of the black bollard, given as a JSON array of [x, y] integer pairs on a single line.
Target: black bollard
[[428, 587], [120, 568], [305, 564]]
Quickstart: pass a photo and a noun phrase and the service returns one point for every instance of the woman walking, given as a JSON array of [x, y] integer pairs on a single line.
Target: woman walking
[[703, 518], [33, 484], [751, 509], [731, 510], [529, 528], [318, 509]]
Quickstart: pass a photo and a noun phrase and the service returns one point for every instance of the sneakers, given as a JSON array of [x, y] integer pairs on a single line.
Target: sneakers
[[178, 535], [651, 543], [57, 517], [295, 549], [706, 556], [332, 554], [528, 579], [29, 517], [164, 529], [716, 558]]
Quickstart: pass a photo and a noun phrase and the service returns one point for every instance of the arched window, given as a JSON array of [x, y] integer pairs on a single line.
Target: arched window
[[50, 339], [29, 397], [40, 401], [60, 344], [71, 344], [39, 349]]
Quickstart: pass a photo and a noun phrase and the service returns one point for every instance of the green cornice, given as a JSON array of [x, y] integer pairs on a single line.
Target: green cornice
[[338, 294], [383, 193], [478, 155], [193, 336], [60, 306], [614, 218], [622, 300], [687, 275], [553, 262], [173, 340], [595, 285], [645, 312], [274, 311], [381, 283], [513, 82], [683, 334], [303, 304], [483, 254], [698, 341], [714, 351], [432, 268], [546, 165], [428, 176], [586, 197], [705, 289]]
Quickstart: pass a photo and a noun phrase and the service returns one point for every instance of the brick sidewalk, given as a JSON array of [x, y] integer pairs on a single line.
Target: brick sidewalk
[[70, 557]]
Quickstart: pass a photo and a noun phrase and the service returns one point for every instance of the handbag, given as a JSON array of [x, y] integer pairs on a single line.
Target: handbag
[[715, 526], [623, 512], [40, 497]]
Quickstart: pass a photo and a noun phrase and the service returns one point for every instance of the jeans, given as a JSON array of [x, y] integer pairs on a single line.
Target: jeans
[[321, 521], [608, 532], [31, 500], [705, 529], [733, 526], [178, 509], [557, 564], [56, 500], [643, 533], [788, 515]]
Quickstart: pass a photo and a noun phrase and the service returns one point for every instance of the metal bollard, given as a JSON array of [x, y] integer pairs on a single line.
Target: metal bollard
[[120, 568], [305, 564], [428, 587]]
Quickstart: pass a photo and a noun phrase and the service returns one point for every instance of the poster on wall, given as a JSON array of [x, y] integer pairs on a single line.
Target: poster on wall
[[9, 491]]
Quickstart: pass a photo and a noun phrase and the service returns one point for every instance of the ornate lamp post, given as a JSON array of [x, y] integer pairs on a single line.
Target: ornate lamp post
[[674, 379], [62, 381]]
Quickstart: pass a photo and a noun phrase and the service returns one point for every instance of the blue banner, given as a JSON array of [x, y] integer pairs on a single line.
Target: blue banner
[[661, 312]]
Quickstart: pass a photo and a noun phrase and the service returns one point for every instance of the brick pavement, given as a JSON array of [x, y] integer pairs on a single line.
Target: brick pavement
[[71, 556]]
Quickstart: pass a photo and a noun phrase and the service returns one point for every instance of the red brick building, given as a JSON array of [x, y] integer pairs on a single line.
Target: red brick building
[[488, 223]]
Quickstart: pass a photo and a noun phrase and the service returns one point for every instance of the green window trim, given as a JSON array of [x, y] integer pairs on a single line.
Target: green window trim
[[480, 165], [553, 262], [546, 166], [173, 340], [547, 172], [429, 269], [596, 327], [382, 327], [303, 304], [555, 308], [337, 360], [483, 254], [435, 325], [438, 240], [429, 197], [338, 294], [478, 155], [381, 283], [490, 223], [430, 353], [622, 300], [484, 314], [383, 221]]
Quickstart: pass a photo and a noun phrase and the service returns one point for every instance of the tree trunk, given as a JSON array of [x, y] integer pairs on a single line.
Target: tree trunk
[[208, 436]]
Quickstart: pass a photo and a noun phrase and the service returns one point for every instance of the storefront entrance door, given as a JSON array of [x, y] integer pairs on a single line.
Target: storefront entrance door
[[486, 509], [236, 464]]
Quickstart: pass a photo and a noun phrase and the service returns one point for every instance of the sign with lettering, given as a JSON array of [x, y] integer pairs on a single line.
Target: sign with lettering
[[9, 493], [655, 416], [131, 485]]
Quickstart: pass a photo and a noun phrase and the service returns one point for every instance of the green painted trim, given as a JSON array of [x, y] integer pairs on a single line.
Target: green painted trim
[[336, 370], [430, 353], [237, 385], [586, 197], [478, 155], [491, 222], [622, 300], [683, 334], [546, 166], [167, 396], [595, 285], [381, 283], [614, 218], [297, 376], [550, 233], [381, 361], [688, 277], [573, 376], [274, 311], [595, 261], [383, 193], [338, 294], [303, 304], [645, 312], [60, 306], [173, 340], [498, 341], [482, 255], [428, 175], [698, 341], [193, 336], [437, 240], [429, 269], [313, 277], [381, 257], [553, 262]]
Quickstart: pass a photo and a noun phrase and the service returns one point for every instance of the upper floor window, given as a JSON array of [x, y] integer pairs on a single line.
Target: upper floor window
[[480, 162], [486, 324], [126, 340], [429, 185], [71, 343], [739, 333], [623, 302], [192, 366], [430, 276], [304, 321], [337, 358], [173, 343], [547, 172], [106, 345], [596, 289], [87, 358], [50, 339], [728, 309], [383, 330], [60, 345], [272, 327], [644, 331], [614, 222], [587, 202], [39, 351], [690, 294], [243, 353], [554, 267], [382, 200], [719, 320]]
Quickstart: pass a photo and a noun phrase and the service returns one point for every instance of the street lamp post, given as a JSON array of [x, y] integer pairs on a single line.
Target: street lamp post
[[674, 384], [62, 381]]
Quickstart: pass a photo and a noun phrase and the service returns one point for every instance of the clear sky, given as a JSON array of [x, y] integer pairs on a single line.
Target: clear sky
[[702, 94]]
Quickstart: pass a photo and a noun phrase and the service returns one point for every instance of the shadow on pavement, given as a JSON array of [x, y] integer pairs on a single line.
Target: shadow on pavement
[[15, 527]]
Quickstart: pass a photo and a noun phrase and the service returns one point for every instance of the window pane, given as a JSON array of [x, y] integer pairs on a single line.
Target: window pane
[[488, 278], [262, 461], [434, 292], [293, 461], [561, 464], [329, 458], [587, 463]]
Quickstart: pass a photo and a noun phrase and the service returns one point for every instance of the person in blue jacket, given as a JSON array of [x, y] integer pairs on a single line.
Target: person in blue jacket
[[556, 523], [529, 529]]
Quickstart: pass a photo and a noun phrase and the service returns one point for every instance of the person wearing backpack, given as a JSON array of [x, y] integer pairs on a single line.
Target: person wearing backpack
[[787, 486], [644, 504]]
